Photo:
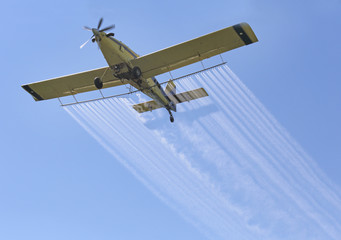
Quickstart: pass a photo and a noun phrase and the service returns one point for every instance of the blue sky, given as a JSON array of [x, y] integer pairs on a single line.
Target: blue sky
[[58, 182]]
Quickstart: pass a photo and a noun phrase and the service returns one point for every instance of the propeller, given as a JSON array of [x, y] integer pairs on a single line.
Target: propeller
[[99, 30]]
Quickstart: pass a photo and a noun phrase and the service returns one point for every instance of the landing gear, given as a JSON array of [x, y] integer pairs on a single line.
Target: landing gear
[[117, 68], [171, 118], [98, 83], [136, 72], [123, 71]]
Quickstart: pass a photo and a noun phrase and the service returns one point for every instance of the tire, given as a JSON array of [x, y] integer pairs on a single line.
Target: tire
[[136, 72], [98, 83]]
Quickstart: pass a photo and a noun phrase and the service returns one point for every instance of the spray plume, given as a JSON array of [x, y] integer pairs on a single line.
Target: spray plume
[[226, 165]]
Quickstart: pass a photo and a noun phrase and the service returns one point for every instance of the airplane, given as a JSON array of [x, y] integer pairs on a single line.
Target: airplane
[[127, 67]]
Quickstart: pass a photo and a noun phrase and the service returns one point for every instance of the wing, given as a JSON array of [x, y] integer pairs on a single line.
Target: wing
[[71, 84], [195, 50]]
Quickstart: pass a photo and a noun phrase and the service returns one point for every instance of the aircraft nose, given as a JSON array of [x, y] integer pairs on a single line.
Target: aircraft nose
[[95, 31]]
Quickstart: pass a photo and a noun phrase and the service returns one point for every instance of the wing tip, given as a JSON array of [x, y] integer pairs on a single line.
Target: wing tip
[[35, 95], [245, 32]]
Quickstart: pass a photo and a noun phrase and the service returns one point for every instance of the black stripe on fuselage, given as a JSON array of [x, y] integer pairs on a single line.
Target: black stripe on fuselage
[[242, 34], [33, 93], [125, 48]]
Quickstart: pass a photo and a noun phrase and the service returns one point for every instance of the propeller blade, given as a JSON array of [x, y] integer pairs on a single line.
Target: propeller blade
[[107, 28], [98, 29], [87, 28], [100, 23], [85, 42]]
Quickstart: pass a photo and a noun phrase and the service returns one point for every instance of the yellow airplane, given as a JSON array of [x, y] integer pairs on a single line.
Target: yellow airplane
[[126, 67]]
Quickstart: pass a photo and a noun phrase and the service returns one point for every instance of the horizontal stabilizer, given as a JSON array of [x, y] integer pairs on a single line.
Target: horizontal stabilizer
[[177, 98], [188, 96], [146, 106]]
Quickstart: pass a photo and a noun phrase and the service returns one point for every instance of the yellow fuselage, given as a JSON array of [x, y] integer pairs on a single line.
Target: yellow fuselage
[[116, 52]]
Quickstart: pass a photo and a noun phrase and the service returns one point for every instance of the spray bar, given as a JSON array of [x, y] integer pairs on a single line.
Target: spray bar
[[135, 91]]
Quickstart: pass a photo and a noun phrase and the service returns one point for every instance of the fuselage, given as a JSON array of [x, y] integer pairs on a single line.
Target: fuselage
[[115, 52]]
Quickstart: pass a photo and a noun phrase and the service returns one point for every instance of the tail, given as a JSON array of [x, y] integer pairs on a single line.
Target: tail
[[184, 96], [170, 88], [170, 91]]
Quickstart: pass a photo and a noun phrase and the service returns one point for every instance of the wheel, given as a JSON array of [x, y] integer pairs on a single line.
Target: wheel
[[98, 83], [136, 72], [171, 118], [117, 68]]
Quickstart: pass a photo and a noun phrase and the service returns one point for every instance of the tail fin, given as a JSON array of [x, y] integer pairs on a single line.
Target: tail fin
[[170, 88], [170, 91]]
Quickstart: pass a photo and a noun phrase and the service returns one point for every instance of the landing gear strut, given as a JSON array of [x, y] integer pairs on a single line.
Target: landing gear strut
[[171, 118], [123, 71]]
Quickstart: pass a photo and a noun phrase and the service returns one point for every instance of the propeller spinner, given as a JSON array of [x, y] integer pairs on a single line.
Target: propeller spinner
[[94, 30]]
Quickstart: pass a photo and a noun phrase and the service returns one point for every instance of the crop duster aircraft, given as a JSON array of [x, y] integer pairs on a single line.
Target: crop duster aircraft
[[127, 67]]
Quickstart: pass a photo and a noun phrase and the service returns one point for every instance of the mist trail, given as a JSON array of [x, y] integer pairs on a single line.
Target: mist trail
[[226, 165]]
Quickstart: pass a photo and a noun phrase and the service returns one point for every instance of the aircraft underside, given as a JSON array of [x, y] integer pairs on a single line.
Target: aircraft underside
[[127, 67]]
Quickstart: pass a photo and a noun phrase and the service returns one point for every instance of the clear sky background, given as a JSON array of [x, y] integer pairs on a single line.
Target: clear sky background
[[57, 182]]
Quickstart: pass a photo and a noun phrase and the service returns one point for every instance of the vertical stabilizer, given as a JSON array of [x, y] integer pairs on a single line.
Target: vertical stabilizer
[[170, 88], [170, 91]]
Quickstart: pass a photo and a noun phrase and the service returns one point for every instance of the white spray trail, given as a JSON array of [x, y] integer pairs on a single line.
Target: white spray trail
[[226, 165]]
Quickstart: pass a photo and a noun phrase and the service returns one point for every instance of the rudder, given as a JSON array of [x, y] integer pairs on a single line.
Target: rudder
[[170, 88]]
